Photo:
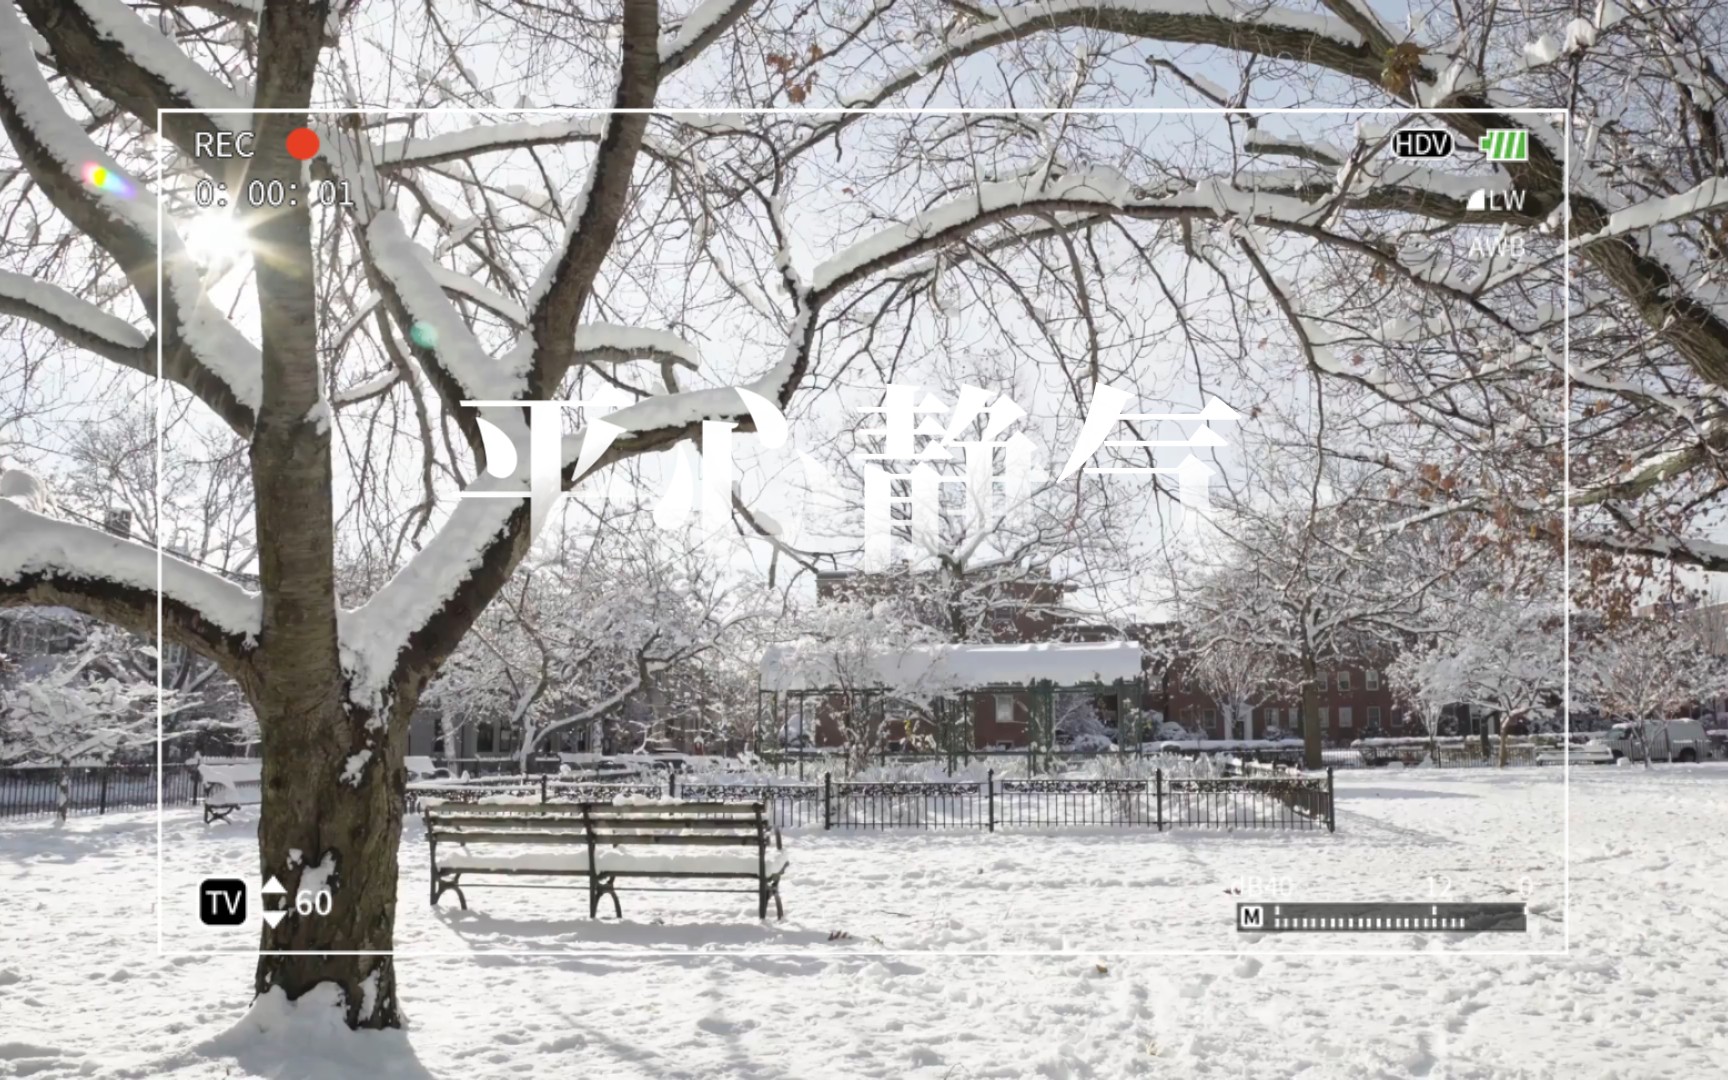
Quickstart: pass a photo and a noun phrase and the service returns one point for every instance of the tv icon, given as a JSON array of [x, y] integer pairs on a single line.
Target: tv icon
[[1421, 144], [222, 901]]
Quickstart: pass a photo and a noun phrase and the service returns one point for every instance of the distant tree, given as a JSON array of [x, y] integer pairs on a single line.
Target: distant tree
[[859, 661], [592, 634], [1643, 670], [1427, 678], [1238, 677], [1310, 573], [88, 703]]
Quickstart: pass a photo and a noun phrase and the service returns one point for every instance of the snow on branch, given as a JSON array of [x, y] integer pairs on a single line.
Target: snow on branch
[[434, 323], [486, 138], [701, 28], [1710, 195], [44, 560], [130, 39], [596, 343], [106, 45], [1318, 151], [1095, 190], [1687, 551], [77, 321], [1259, 28], [365, 390], [201, 350], [610, 344]]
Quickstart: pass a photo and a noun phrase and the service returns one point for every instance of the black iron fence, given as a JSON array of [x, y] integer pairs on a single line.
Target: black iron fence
[[1286, 800], [35, 791], [543, 787]]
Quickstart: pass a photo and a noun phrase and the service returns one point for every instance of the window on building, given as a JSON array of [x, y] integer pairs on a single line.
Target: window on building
[[1372, 678], [1211, 718], [1344, 717], [483, 737], [1373, 716], [1343, 682], [1004, 708]]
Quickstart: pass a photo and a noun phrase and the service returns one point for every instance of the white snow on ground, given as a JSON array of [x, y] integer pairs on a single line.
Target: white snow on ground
[[82, 991]]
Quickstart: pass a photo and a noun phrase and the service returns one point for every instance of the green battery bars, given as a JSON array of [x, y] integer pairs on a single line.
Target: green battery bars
[[1505, 144]]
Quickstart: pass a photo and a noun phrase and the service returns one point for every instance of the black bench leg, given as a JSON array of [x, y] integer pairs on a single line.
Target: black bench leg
[[599, 887], [765, 890], [441, 886]]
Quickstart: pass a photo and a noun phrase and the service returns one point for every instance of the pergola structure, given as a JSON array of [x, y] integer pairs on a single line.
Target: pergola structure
[[942, 683]]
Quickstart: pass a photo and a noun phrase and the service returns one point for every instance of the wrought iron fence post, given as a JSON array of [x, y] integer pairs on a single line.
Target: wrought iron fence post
[[542, 787], [1331, 818], [1158, 788], [102, 795], [990, 789], [827, 800]]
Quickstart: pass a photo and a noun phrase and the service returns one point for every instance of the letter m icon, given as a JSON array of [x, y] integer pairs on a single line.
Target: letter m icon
[[1250, 916]]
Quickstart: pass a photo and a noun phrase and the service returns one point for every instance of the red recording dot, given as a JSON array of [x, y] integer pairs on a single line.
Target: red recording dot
[[302, 144]]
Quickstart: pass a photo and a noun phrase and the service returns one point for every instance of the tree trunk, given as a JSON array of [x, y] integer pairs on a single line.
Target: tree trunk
[[63, 794], [1310, 712], [332, 819]]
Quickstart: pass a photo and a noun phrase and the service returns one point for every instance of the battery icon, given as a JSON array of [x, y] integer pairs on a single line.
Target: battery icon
[[1505, 144]]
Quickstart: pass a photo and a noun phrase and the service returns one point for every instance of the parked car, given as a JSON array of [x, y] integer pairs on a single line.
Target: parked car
[[421, 768], [1091, 744], [604, 767], [1590, 752], [675, 760], [1677, 740]]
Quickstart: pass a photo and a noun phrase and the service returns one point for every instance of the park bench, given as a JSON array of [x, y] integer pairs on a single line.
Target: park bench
[[605, 842], [226, 788]]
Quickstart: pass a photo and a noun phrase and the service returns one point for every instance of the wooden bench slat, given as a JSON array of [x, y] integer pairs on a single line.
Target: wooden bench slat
[[605, 839], [618, 839], [711, 824], [738, 809], [522, 836]]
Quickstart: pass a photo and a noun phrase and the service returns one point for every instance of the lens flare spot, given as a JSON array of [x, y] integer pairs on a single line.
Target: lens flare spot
[[105, 179], [423, 335]]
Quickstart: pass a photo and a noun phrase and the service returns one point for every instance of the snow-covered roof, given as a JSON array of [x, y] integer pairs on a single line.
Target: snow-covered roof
[[928, 670]]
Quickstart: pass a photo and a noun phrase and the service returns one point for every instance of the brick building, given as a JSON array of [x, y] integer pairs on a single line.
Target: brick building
[[1355, 702], [1355, 699]]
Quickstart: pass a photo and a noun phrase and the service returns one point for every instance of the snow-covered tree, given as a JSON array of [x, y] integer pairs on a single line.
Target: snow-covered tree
[[587, 631], [1428, 678], [857, 662], [1077, 717], [1310, 574], [85, 704], [1644, 670], [1238, 676]]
